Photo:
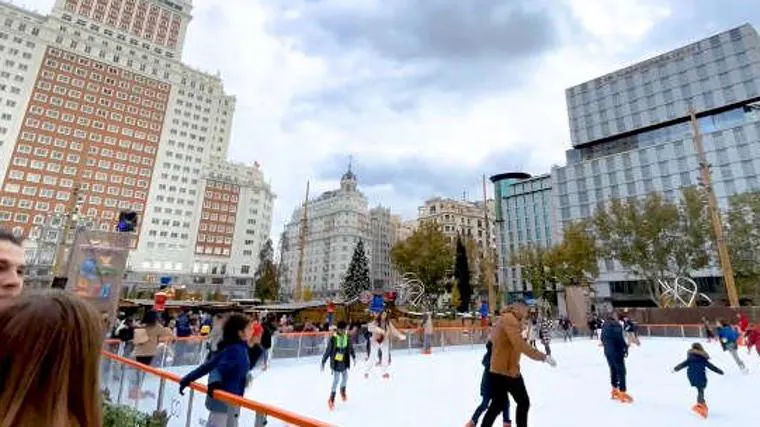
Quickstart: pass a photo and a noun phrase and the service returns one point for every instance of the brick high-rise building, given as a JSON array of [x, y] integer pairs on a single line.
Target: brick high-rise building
[[95, 102]]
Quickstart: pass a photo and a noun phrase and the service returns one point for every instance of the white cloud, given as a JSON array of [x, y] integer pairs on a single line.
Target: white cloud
[[302, 105]]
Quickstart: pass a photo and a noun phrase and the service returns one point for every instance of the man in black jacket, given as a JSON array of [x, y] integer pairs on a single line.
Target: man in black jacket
[[616, 350], [340, 352]]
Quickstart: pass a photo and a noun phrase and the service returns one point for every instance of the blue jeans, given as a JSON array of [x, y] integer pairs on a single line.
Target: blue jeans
[[343, 376], [484, 405]]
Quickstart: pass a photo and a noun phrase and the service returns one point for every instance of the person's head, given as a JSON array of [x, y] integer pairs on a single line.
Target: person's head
[[49, 361], [150, 318], [342, 326], [382, 317], [698, 347], [519, 308], [12, 266], [236, 328]]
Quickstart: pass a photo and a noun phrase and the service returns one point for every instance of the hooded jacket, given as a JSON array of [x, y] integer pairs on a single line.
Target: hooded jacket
[[508, 345], [697, 361], [613, 340]]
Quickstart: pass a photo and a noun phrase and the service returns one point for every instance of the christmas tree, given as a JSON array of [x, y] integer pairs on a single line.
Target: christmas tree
[[356, 279]]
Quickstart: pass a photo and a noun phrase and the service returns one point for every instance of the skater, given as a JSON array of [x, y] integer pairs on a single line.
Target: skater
[[709, 334], [696, 362], [616, 350], [545, 334], [593, 326], [729, 338], [381, 330], [533, 331], [340, 352], [227, 371], [631, 331], [752, 338], [427, 331], [567, 328], [504, 371], [485, 393]]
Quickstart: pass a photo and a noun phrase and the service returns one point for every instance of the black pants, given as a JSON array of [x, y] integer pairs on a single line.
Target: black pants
[[617, 371], [501, 387], [700, 395], [547, 348]]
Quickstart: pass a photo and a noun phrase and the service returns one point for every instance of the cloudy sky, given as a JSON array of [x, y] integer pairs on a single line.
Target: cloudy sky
[[426, 95]]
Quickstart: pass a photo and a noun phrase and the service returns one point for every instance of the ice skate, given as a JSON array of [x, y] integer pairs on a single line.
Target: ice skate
[[700, 409], [507, 424], [343, 394], [469, 424], [331, 401], [386, 375], [624, 397], [615, 394], [366, 376]]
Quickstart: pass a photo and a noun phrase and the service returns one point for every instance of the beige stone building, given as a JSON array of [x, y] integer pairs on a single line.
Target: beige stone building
[[461, 218]]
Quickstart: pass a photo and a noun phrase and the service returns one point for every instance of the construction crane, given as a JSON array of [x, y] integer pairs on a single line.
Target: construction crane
[[303, 233]]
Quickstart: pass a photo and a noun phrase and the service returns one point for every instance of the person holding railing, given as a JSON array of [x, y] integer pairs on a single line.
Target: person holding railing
[[49, 361], [227, 371]]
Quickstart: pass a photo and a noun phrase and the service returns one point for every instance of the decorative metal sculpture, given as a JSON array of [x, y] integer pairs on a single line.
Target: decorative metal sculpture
[[683, 292], [410, 291]]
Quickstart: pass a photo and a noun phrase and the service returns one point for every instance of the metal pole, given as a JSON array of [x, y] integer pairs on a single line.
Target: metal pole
[[160, 397], [487, 253], [190, 397], [712, 206]]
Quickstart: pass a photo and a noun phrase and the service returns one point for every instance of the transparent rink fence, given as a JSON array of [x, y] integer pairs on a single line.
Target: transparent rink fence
[[148, 390], [192, 351]]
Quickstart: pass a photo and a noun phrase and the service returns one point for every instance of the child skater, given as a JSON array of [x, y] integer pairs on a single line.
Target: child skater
[[485, 393], [381, 329], [340, 352], [696, 362], [729, 337]]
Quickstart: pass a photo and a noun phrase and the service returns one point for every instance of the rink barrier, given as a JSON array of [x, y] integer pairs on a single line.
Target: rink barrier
[[297, 345], [144, 395]]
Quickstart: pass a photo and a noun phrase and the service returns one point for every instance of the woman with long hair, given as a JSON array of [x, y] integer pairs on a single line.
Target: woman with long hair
[[49, 362], [227, 371], [381, 330]]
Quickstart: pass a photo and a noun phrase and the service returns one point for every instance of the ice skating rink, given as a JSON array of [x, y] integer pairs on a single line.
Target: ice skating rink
[[442, 389]]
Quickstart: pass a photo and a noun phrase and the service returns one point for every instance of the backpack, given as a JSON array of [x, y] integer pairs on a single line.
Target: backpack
[[141, 336]]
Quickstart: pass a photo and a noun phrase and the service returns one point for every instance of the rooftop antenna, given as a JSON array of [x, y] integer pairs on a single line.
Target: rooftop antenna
[[350, 161]]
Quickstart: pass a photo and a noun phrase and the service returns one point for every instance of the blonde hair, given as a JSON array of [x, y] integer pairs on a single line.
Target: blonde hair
[[49, 362]]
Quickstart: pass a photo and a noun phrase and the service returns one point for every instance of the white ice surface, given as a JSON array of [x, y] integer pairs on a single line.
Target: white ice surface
[[442, 389]]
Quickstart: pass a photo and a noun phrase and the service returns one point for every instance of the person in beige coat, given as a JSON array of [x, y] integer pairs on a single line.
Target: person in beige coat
[[505, 377], [147, 337], [381, 330]]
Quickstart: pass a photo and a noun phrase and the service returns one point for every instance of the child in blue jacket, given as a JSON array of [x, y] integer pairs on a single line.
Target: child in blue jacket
[[227, 370], [696, 363], [485, 393], [729, 336]]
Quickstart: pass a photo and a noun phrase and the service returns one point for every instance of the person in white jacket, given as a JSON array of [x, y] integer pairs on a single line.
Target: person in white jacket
[[381, 330]]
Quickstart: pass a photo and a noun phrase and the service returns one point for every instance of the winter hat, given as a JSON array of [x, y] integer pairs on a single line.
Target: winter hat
[[697, 346]]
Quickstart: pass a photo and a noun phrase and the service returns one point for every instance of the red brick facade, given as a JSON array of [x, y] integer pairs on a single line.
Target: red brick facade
[[217, 225], [88, 124]]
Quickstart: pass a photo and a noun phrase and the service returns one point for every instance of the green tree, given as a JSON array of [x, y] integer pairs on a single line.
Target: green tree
[[356, 279], [743, 240], [653, 238], [574, 261], [456, 301], [462, 275], [428, 254], [265, 279], [533, 268]]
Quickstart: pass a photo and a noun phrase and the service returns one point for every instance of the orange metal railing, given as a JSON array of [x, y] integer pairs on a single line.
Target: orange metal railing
[[148, 392]]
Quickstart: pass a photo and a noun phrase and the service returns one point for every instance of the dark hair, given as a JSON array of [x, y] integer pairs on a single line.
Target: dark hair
[[342, 325], [235, 323], [7, 236], [150, 318], [697, 346]]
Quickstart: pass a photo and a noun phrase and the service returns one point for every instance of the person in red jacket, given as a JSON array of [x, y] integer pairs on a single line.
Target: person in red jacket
[[753, 339], [743, 322]]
